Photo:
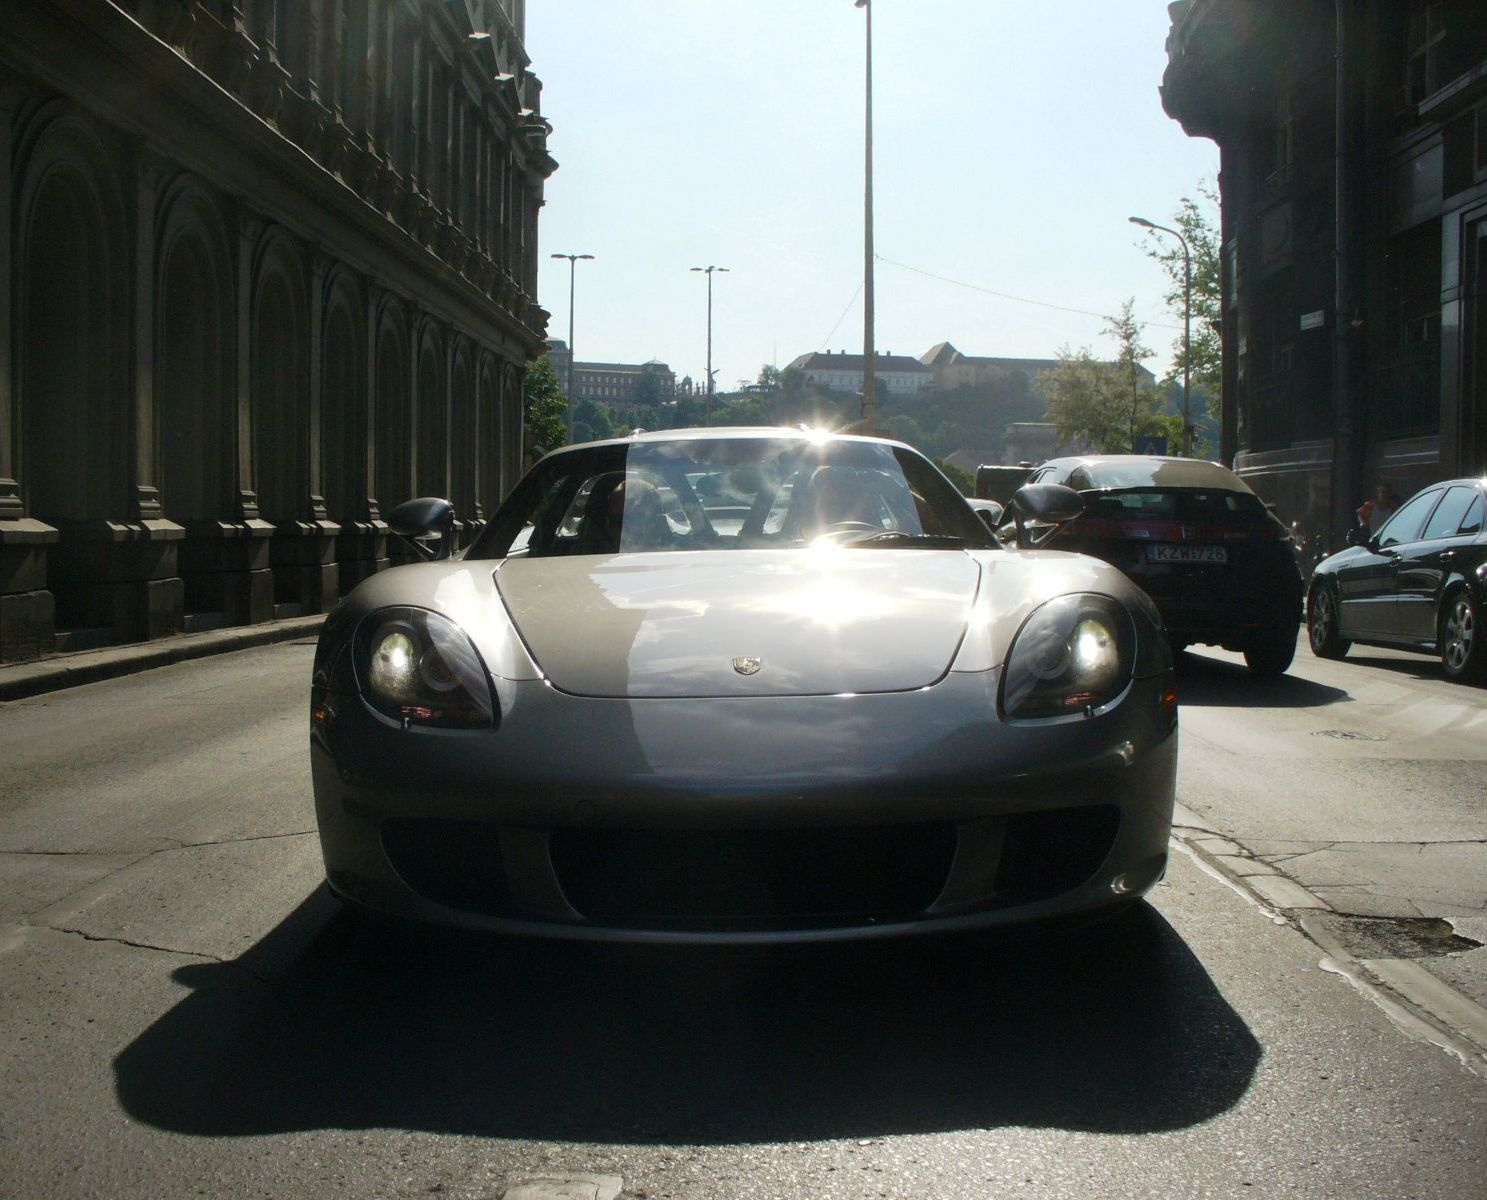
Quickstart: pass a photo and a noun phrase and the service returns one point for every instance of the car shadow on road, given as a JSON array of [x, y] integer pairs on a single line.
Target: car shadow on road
[[1112, 1028], [1206, 681]]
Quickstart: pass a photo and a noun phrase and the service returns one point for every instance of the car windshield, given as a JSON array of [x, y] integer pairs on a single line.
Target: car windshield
[[711, 493], [1178, 504], [1137, 472]]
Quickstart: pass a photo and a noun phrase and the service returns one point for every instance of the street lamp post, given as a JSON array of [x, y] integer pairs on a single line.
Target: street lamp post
[[573, 260], [1187, 331], [869, 353], [708, 271]]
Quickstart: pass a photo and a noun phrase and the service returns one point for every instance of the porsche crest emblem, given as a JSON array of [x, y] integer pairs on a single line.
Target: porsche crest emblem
[[747, 666]]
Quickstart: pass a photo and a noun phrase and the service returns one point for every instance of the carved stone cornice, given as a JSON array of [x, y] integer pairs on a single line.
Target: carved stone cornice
[[305, 121], [171, 21], [267, 85], [335, 142], [223, 52]]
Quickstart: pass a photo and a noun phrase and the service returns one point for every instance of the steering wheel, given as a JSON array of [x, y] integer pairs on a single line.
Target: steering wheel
[[853, 527]]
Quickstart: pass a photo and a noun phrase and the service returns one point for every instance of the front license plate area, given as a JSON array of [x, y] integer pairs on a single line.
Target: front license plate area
[[1164, 552]]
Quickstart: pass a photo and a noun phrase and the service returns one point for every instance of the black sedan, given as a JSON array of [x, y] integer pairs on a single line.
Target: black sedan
[[1220, 566], [1419, 584]]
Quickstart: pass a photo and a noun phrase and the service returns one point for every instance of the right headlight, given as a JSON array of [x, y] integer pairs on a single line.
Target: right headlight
[[419, 668], [1074, 654]]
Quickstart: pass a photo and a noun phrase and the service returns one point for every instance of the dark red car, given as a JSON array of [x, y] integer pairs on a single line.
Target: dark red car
[[1220, 566]]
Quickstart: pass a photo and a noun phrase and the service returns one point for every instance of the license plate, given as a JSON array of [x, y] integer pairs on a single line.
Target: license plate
[[1164, 553]]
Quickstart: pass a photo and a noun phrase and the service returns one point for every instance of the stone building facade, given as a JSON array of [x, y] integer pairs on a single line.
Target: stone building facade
[[895, 374], [612, 382], [1353, 152], [266, 270]]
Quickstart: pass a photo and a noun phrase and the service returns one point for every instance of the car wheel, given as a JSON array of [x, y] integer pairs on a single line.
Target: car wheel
[[1463, 654], [1321, 624], [1271, 653]]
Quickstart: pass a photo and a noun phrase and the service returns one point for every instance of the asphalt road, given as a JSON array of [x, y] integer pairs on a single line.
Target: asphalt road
[[183, 1012]]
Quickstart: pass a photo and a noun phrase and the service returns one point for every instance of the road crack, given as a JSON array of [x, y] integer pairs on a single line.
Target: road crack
[[173, 845], [200, 956]]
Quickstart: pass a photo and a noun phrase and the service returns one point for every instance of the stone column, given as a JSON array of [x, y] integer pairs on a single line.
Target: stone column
[[27, 610], [308, 547], [157, 606], [247, 576]]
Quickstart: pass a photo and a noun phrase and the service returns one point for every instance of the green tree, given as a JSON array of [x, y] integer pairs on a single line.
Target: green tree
[[962, 479], [905, 429], [1106, 405], [1139, 402], [792, 381], [594, 419], [649, 391], [1198, 222], [544, 410]]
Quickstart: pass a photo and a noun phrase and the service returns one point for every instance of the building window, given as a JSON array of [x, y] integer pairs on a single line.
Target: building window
[[1444, 39], [1407, 404]]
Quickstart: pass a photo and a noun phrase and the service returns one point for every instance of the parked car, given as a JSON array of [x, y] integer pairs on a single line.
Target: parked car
[[819, 699], [1420, 583], [998, 482], [1220, 566]]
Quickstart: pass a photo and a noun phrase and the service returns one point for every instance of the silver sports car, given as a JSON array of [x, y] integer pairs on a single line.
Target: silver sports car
[[743, 684]]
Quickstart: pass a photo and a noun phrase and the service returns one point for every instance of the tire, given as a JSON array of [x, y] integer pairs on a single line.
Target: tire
[[1271, 653], [1321, 624], [1463, 641]]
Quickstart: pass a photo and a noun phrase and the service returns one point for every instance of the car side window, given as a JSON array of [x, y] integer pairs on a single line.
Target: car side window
[[1472, 522], [1447, 518], [1405, 525]]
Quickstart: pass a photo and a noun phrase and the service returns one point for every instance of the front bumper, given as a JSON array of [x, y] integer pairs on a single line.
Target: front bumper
[[750, 819]]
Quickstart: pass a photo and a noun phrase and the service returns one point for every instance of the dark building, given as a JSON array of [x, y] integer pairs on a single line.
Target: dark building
[[1353, 141], [266, 269]]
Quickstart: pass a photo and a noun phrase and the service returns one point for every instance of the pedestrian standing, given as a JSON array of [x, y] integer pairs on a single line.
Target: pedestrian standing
[[1373, 513]]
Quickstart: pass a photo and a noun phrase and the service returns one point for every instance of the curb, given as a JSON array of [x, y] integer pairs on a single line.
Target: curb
[[90, 666], [1418, 1002]]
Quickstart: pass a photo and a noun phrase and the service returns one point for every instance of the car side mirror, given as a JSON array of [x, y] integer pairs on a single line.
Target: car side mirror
[[1357, 535], [989, 511], [422, 518], [1045, 504]]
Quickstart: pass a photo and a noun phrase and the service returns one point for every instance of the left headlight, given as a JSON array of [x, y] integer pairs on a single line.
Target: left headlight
[[1074, 654], [418, 668]]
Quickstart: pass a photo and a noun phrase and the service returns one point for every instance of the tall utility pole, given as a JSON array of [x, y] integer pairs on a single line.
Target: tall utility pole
[[573, 260], [869, 352], [708, 271], [1187, 331]]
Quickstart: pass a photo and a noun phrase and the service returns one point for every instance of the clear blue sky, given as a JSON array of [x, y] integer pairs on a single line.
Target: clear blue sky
[[1012, 139]]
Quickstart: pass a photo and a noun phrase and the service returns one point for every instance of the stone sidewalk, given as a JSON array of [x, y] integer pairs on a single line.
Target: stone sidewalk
[[18, 680]]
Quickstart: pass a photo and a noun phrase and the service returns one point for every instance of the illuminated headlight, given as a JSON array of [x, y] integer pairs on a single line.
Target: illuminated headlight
[[417, 668], [1074, 654]]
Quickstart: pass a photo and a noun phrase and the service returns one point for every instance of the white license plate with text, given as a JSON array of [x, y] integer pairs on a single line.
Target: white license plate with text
[[1166, 553]]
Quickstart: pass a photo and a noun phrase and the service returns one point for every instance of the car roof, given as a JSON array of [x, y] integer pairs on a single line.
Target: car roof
[[731, 432], [1151, 470]]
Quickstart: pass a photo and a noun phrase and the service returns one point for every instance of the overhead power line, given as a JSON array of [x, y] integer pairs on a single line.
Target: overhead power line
[[974, 287], [841, 318]]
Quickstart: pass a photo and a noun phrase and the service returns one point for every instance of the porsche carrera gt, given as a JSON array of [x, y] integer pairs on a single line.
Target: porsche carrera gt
[[741, 685]]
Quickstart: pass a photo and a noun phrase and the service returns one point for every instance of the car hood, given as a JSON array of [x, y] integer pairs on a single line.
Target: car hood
[[742, 623]]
